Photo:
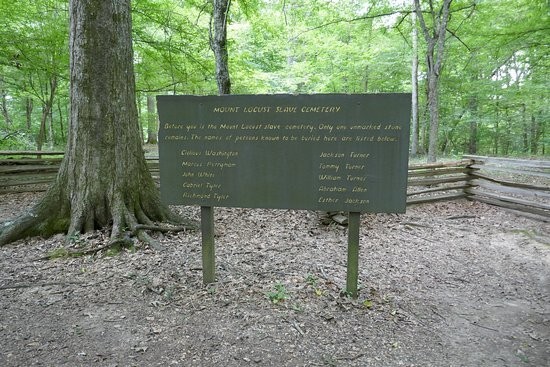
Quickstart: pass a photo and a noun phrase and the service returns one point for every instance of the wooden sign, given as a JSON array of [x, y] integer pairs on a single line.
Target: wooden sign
[[329, 152], [322, 152]]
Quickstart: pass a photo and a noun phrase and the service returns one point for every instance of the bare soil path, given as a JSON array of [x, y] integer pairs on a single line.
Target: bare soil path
[[446, 284]]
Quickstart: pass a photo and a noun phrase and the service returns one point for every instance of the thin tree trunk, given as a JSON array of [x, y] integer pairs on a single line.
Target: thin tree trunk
[[435, 43], [537, 132], [433, 111], [4, 104], [542, 131], [61, 127], [507, 132], [414, 83], [525, 129], [497, 129], [46, 109], [41, 137], [51, 134], [534, 133], [472, 141], [496, 148], [139, 117], [152, 125], [218, 43], [28, 112]]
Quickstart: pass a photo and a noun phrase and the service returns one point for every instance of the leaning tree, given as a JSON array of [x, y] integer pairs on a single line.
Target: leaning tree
[[103, 179]]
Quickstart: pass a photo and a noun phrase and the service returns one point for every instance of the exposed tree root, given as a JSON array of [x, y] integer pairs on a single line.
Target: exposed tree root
[[78, 202], [165, 229], [150, 241], [126, 216], [46, 218], [79, 253], [123, 240]]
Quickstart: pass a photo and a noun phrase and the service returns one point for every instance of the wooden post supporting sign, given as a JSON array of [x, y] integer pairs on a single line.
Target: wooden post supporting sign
[[209, 259], [353, 253], [208, 248]]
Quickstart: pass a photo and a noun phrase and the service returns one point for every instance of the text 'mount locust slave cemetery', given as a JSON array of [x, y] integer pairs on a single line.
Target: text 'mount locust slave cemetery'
[[332, 152]]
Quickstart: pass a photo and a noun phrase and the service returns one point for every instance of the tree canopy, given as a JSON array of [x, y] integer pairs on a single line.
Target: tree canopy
[[493, 84]]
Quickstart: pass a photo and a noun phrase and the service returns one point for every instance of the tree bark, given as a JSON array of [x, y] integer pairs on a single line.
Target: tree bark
[[435, 44], [29, 105], [103, 178], [525, 128], [4, 104], [47, 106], [218, 43], [472, 141], [414, 83], [152, 125], [497, 132], [61, 127]]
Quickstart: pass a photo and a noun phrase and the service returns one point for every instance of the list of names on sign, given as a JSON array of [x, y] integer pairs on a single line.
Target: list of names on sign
[[321, 152]]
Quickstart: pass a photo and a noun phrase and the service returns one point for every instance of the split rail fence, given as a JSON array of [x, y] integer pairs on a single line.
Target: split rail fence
[[515, 184]]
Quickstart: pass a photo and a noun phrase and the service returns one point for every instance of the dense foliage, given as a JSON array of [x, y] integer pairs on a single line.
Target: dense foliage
[[493, 93]]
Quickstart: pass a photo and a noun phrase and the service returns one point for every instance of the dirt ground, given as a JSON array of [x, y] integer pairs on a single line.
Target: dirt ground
[[446, 284]]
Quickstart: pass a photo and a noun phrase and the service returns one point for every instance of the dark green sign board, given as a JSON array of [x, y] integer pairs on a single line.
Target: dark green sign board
[[322, 152]]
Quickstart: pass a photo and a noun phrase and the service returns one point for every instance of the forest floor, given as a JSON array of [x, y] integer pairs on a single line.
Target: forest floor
[[446, 284]]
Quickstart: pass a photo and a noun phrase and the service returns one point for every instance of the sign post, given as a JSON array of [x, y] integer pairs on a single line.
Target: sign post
[[208, 248], [354, 223], [328, 152]]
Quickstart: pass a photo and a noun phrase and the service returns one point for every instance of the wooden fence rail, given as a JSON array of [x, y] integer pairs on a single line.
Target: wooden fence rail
[[437, 181], [514, 184]]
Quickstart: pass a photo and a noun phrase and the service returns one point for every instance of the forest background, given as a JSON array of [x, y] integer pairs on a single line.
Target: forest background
[[493, 89]]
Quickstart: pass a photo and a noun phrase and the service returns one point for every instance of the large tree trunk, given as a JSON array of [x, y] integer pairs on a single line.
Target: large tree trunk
[[103, 177], [218, 43]]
